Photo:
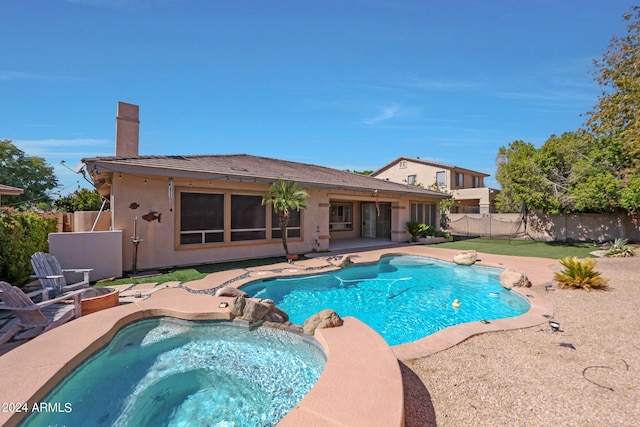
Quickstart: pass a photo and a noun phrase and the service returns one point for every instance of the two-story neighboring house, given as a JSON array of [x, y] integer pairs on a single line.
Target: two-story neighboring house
[[465, 186]]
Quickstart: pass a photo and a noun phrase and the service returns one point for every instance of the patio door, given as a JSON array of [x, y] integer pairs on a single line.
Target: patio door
[[369, 214]]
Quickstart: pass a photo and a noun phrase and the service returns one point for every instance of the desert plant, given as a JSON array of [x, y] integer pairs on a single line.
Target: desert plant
[[415, 228], [579, 274], [620, 248]]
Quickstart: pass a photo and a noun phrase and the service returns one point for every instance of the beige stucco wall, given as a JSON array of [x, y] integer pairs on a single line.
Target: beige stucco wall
[[84, 220], [482, 197], [100, 250], [158, 247], [425, 174]]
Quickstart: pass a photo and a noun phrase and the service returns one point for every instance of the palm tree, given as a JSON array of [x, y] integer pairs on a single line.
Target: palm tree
[[285, 197]]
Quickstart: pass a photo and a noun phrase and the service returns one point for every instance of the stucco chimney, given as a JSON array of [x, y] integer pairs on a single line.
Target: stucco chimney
[[127, 130]]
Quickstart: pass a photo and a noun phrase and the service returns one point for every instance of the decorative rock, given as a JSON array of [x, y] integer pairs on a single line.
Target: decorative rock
[[465, 257], [274, 314], [324, 319], [511, 278], [229, 291], [237, 306], [253, 310]]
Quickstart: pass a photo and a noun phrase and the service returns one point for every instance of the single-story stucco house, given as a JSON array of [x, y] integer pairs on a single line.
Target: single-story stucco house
[[193, 209]]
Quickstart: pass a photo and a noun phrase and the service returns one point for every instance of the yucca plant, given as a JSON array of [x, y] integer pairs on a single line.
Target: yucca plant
[[579, 274], [620, 248]]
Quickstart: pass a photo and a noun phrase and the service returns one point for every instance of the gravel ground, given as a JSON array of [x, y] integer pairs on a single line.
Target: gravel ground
[[586, 374]]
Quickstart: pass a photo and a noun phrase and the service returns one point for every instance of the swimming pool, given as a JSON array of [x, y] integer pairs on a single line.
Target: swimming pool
[[404, 298], [170, 372]]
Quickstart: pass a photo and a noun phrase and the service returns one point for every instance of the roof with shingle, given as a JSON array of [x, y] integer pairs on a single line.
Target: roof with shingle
[[425, 162], [7, 190], [254, 168]]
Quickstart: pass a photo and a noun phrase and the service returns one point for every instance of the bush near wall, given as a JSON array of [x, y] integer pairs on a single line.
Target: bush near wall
[[21, 235]]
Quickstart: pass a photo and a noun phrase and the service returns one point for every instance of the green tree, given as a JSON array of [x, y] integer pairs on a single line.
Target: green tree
[[31, 173], [569, 173], [80, 200], [616, 117], [285, 196], [520, 177]]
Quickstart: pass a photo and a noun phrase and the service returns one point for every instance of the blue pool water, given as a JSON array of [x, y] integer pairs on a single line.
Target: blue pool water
[[167, 372], [404, 298]]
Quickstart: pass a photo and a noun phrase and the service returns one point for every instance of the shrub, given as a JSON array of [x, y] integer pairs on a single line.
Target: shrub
[[428, 231], [21, 235], [415, 228], [441, 233], [579, 274], [620, 248]]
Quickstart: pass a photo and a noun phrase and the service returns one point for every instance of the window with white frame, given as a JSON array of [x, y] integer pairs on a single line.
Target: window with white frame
[[201, 218], [293, 227], [248, 218], [441, 179], [411, 179], [341, 216]]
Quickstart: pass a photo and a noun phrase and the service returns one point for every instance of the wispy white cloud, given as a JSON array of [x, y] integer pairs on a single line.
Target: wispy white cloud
[[385, 114], [9, 75], [423, 83], [59, 147], [391, 113]]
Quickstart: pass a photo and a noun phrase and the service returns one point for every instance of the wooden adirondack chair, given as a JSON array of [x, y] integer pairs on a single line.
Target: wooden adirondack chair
[[51, 275], [33, 318]]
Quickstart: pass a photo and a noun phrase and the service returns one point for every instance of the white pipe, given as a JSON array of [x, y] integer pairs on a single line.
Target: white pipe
[[104, 200]]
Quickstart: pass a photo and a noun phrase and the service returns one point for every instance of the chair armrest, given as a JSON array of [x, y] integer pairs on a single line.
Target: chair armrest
[[57, 276], [69, 295], [84, 271], [44, 292]]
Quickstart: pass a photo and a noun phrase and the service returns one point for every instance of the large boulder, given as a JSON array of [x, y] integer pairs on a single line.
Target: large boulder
[[465, 257], [324, 319], [237, 306], [511, 278], [255, 310], [274, 314], [229, 291]]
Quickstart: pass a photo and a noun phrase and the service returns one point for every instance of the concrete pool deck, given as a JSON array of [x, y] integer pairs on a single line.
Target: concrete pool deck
[[361, 384]]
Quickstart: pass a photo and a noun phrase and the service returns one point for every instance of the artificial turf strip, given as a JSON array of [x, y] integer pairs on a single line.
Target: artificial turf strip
[[553, 250]]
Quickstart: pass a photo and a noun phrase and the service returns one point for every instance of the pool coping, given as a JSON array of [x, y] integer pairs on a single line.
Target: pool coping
[[538, 270], [360, 385], [362, 382]]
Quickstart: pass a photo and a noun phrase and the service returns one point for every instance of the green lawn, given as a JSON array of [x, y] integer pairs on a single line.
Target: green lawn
[[187, 274], [554, 250]]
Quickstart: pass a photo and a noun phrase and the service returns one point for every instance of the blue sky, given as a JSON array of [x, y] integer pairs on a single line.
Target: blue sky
[[344, 84]]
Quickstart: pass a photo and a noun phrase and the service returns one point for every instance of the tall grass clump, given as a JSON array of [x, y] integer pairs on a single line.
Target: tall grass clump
[[579, 274], [620, 248]]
